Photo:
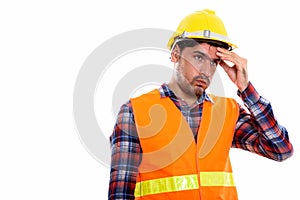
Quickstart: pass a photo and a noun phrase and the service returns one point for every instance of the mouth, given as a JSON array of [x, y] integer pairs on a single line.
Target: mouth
[[200, 83]]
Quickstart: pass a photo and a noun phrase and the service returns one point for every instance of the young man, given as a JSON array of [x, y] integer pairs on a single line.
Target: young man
[[174, 142]]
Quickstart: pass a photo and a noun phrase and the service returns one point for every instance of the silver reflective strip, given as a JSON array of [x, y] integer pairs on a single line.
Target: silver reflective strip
[[205, 34]]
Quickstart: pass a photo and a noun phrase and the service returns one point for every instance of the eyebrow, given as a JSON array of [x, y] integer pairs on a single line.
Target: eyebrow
[[200, 52]]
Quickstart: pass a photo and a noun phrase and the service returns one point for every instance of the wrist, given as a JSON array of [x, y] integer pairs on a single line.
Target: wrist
[[249, 95], [243, 87]]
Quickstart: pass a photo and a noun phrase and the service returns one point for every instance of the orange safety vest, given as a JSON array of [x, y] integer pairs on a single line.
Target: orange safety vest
[[173, 165]]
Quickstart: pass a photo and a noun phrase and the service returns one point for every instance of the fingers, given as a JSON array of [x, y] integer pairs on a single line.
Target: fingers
[[226, 55], [223, 51], [238, 71], [224, 65], [230, 56]]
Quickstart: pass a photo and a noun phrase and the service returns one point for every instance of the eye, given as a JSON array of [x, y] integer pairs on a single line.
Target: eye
[[199, 57], [215, 63]]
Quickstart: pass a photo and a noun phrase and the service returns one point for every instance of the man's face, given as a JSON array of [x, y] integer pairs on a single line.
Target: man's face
[[195, 68]]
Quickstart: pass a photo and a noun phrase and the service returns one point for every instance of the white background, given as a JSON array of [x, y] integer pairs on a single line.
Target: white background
[[43, 45]]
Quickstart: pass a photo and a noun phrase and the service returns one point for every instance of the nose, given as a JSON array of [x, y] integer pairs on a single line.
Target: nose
[[205, 69]]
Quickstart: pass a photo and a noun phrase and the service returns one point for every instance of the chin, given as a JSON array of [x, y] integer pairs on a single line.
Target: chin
[[199, 91]]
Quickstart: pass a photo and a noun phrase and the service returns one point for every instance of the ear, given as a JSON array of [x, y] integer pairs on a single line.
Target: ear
[[175, 54]]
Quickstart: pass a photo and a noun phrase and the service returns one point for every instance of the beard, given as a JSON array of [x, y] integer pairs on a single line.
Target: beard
[[193, 88], [200, 84]]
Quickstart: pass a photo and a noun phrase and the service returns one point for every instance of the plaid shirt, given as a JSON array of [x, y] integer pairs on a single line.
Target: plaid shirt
[[256, 131]]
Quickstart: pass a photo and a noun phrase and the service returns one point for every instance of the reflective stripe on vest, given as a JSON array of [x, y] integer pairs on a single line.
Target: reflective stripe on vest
[[185, 182]]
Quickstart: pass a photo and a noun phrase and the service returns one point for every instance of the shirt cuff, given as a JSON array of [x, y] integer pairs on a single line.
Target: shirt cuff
[[250, 96]]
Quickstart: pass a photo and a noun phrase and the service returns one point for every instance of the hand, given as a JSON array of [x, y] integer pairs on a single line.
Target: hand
[[238, 72]]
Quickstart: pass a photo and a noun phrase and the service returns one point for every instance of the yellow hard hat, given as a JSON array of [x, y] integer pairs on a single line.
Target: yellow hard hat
[[202, 24]]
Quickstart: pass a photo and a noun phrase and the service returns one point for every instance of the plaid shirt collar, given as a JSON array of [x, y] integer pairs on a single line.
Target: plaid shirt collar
[[165, 91]]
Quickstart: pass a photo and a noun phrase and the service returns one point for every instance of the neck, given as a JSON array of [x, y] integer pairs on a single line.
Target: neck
[[188, 98]]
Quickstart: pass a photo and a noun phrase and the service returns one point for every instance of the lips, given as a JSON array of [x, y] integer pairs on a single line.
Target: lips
[[200, 83]]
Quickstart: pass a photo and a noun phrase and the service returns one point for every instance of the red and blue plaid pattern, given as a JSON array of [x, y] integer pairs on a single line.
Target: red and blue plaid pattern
[[257, 131]]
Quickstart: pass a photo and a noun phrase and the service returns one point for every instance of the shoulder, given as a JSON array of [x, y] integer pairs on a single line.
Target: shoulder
[[220, 98], [224, 101], [146, 97], [150, 94]]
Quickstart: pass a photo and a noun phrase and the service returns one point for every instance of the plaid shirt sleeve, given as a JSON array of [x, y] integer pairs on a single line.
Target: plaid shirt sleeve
[[258, 131], [125, 156]]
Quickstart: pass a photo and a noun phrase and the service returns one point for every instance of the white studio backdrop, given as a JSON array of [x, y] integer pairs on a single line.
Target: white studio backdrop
[[44, 45]]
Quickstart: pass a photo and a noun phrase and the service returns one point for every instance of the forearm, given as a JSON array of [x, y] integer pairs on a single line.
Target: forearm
[[258, 130], [125, 157], [124, 168]]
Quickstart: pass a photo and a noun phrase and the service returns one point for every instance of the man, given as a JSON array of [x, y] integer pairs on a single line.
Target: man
[[173, 142]]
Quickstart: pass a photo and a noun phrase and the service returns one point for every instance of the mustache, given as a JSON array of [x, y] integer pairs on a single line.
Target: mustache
[[201, 77]]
